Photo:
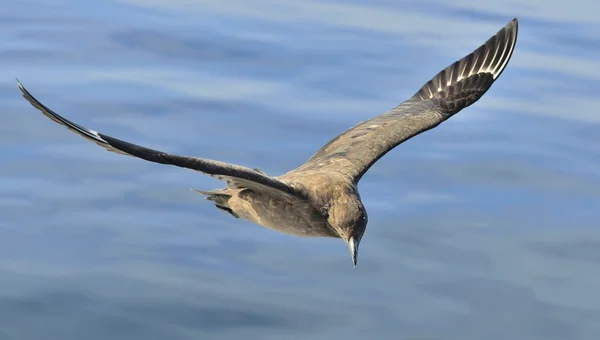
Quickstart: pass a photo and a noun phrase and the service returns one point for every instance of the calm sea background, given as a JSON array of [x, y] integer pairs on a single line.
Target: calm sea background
[[486, 227]]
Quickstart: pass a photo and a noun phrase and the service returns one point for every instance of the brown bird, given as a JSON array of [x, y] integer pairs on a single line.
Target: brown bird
[[320, 198]]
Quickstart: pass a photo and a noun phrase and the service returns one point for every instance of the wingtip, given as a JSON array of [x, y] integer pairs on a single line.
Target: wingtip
[[23, 90], [487, 61], [513, 25]]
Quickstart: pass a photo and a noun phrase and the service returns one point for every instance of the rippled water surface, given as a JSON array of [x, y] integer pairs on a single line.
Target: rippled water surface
[[484, 228]]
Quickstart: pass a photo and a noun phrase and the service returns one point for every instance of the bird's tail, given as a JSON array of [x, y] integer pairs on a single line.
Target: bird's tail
[[217, 196], [220, 198], [465, 81]]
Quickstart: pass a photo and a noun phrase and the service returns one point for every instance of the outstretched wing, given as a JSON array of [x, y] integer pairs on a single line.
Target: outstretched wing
[[234, 175], [461, 84]]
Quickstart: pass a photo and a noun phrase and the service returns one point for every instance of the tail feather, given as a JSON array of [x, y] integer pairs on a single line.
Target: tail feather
[[214, 195], [466, 80], [220, 199]]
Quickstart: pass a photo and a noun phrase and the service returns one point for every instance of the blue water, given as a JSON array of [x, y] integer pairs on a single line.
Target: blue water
[[483, 228]]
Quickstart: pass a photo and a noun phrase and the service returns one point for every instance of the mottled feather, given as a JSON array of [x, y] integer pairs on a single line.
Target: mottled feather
[[461, 84]]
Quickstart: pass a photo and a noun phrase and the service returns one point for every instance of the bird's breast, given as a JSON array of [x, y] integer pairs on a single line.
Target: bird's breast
[[292, 216]]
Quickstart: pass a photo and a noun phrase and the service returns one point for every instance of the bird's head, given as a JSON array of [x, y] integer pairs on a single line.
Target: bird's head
[[349, 219]]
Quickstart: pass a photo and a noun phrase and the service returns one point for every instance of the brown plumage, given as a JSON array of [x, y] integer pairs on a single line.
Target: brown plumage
[[320, 198]]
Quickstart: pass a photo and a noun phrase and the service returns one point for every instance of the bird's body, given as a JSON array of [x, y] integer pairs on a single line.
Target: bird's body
[[320, 198], [305, 214]]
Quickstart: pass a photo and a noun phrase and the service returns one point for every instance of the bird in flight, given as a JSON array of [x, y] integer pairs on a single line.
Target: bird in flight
[[320, 198]]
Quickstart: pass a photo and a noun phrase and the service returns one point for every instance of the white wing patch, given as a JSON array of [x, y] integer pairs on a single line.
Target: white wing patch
[[492, 57]]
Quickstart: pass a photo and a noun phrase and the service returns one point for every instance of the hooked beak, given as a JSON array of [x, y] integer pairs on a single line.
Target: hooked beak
[[353, 246]]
